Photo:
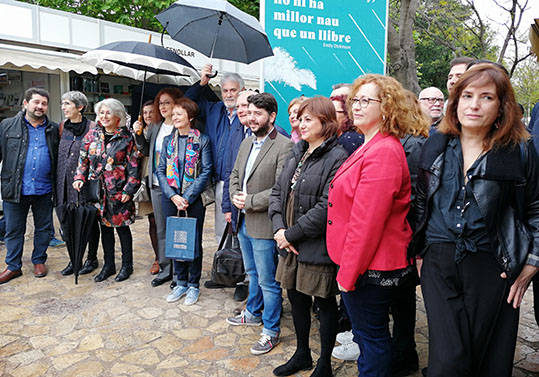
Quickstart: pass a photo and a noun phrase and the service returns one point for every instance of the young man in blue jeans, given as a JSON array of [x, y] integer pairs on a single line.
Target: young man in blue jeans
[[257, 167]]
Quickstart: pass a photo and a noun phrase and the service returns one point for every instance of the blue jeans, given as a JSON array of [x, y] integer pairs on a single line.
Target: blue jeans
[[16, 214], [368, 307], [260, 260]]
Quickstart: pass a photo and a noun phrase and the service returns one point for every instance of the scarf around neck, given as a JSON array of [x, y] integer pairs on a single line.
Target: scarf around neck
[[192, 154]]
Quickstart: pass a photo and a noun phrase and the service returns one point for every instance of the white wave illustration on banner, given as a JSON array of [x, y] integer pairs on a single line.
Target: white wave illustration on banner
[[283, 68]]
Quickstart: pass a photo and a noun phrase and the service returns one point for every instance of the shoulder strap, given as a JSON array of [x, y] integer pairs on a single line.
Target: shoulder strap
[[61, 128]]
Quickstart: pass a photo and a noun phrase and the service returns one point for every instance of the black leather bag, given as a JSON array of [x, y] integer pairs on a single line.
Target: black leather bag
[[93, 190], [227, 268]]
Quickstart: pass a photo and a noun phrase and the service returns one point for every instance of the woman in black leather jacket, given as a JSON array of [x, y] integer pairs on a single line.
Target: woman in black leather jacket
[[477, 227]]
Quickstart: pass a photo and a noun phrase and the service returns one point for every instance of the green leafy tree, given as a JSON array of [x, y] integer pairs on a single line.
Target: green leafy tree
[[525, 82], [136, 13]]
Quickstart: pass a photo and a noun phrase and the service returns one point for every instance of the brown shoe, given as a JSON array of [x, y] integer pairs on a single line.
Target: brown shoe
[[40, 270], [154, 270], [7, 275]]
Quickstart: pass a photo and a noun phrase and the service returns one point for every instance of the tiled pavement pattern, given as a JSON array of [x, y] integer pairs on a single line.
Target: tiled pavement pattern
[[52, 327]]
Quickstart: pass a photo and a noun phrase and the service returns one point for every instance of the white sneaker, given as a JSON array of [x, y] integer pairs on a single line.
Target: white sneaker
[[347, 351], [345, 337], [177, 293], [191, 297]]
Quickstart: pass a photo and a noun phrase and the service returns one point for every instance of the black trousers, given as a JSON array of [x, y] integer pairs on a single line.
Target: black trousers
[[472, 328], [126, 241], [403, 310]]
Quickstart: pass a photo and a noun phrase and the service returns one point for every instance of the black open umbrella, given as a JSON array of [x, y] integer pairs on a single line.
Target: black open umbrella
[[76, 221], [217, 29], [142, 61]]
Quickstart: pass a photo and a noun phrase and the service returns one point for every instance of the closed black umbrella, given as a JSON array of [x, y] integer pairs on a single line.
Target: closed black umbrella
[[76, 221]]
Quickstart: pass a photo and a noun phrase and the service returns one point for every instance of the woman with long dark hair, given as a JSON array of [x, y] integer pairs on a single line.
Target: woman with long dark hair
[[477, 226]]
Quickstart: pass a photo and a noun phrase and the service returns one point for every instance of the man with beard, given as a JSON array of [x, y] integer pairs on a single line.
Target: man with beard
[[431, 101], [220, 118], [257, 167], [28, 150]]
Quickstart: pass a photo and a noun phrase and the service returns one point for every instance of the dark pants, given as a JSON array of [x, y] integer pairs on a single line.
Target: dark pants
[[472, 328], [188, 273], [368, 308], [15, 215], [403, 311], [126, 242]]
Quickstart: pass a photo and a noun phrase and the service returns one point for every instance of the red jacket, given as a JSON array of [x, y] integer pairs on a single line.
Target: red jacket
[[369, 199]]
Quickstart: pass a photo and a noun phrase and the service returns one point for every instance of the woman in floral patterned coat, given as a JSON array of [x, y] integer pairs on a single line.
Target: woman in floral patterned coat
[[108, 153]]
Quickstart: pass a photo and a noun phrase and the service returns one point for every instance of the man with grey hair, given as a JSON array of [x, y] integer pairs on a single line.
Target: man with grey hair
[[220, 117], [28, 151], [431, 101]]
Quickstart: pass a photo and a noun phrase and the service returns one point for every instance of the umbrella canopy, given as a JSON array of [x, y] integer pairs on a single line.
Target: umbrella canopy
[[217, 29], [76, 222], [142, 61]]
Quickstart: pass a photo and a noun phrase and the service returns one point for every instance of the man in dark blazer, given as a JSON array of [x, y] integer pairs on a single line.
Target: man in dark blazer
[[257, 167]]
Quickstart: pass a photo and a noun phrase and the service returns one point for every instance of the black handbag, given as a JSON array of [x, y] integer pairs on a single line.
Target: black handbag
[[227, 268], [93, 190]]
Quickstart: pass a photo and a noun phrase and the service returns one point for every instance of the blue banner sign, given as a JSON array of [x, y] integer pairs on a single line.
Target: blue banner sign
[[317, 44]]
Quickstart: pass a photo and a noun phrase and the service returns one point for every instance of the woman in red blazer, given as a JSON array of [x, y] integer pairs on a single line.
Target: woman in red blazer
[[367, 231]]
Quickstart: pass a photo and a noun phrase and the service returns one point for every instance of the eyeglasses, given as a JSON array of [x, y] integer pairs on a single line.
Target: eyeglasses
[[364, 101], [432, 100]]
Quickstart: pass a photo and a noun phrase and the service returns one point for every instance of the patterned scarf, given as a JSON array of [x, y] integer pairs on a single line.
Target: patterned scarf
[[192, 154]]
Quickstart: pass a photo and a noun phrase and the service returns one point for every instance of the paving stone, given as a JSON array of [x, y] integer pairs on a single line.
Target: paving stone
[[142, 357], [37, 369], [90, 343], [6, 339], [85, 369], [125, 369], [173, 362], [43, 341], [65, 361], [25, 358]]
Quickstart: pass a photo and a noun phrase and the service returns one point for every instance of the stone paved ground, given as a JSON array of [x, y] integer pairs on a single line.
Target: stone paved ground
[[52, 327]]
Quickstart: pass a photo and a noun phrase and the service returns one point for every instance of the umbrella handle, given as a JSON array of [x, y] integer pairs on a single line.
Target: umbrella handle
[[162, 34], [213, 74]]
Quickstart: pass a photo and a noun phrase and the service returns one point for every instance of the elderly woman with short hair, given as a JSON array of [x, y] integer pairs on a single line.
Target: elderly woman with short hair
[[109, 154], [72, 131]]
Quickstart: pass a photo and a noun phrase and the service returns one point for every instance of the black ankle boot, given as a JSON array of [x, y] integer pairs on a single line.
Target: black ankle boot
[[124, 273], [106, 271], [297, 362], [68, 270], [88, 266], [323, 369]]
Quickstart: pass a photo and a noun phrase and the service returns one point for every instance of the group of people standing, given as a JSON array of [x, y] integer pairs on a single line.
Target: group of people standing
[[360, 202]]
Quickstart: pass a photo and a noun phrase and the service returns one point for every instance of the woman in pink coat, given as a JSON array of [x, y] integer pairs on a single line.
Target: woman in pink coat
[[367, 231]]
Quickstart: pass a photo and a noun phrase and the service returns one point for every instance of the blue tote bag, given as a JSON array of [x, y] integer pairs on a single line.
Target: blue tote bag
[[180, 243]]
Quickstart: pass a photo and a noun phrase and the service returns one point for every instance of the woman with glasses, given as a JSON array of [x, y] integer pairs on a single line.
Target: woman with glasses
[[368, 201], [150, 144]]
